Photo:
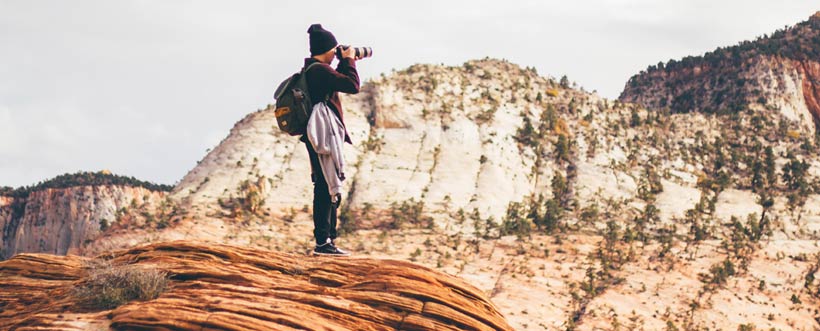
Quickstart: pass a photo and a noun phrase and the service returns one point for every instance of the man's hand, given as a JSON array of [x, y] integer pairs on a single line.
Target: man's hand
[[336, 200], [349, 53]]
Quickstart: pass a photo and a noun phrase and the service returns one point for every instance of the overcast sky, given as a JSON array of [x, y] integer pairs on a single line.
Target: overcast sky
[[144, 88]]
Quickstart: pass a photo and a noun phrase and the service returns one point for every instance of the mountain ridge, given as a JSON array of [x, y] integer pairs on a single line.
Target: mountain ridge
[[777, 71]]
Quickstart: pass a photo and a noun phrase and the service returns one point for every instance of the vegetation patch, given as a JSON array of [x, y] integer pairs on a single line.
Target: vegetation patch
[[82, 178], [408, 212], [108, 286], [249, 200]]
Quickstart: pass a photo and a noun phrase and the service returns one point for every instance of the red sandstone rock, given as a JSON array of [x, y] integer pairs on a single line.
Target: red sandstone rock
[[221, 287], [810, 73]]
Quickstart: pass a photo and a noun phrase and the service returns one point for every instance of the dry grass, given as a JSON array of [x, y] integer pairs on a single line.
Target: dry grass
[[108, 286]]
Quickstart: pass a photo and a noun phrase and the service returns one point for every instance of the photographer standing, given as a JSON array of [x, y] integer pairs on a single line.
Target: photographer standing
[[324, 83]]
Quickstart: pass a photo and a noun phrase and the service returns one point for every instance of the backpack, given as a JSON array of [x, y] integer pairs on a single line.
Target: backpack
[[293, 105]]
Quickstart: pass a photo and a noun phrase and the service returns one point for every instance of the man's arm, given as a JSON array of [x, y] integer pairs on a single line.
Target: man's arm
[[344, 79]]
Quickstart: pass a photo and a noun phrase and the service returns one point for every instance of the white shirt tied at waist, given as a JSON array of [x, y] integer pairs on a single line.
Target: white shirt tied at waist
[[327, 135]]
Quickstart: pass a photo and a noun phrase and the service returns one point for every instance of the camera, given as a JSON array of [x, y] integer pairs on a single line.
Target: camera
[[359, 52]]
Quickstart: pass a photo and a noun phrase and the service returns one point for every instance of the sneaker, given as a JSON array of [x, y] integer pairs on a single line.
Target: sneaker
[[341, 251], [329, 249], [333, 242]]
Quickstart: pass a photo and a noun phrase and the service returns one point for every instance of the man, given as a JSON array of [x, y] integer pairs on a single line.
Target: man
[[324, 83]]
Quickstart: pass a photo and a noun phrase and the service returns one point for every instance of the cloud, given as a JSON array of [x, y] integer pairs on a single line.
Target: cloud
[[144, 88], [9, 137]]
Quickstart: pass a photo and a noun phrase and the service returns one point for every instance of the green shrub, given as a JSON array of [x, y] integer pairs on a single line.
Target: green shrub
[[562, 149], [746, 327], [552, 217], [649, 216], [515, 222], [249, 201], [719, 273], [564, 81], [649, 185], [485, 116], [374, 143], [635, 119], [415, 254], [590, 214], [526, 134], [409, 212]]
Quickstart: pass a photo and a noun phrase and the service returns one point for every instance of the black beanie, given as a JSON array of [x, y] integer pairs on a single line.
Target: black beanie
[[321, 40]]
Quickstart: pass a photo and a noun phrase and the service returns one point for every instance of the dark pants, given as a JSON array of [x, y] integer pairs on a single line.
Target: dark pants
[[324, 212]]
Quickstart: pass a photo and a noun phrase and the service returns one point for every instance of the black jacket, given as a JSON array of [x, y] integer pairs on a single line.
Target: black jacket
[[324, 81]]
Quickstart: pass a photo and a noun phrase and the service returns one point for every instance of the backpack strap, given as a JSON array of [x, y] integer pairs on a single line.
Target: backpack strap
[[305, 70]]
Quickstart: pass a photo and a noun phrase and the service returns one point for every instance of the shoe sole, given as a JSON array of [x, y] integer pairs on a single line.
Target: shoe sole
[[328, 254]]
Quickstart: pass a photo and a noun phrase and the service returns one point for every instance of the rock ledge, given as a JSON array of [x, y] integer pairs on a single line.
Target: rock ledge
[[221, 287]]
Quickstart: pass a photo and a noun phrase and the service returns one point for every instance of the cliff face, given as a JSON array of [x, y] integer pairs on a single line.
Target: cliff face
[[776, 72], [219, 287], [58, 220], [442, 136], [810, 71], [481, 139]]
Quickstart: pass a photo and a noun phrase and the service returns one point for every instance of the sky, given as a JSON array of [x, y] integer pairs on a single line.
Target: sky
[[146, 88]]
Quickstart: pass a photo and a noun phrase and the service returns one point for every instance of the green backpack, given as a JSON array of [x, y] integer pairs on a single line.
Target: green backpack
[[293, 105]]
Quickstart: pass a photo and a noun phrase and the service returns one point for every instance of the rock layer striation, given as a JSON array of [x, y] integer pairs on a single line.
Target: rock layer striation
[[221, 287]]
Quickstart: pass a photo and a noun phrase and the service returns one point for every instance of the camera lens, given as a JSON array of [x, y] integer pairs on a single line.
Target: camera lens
[[363, 52], [358, 52]]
